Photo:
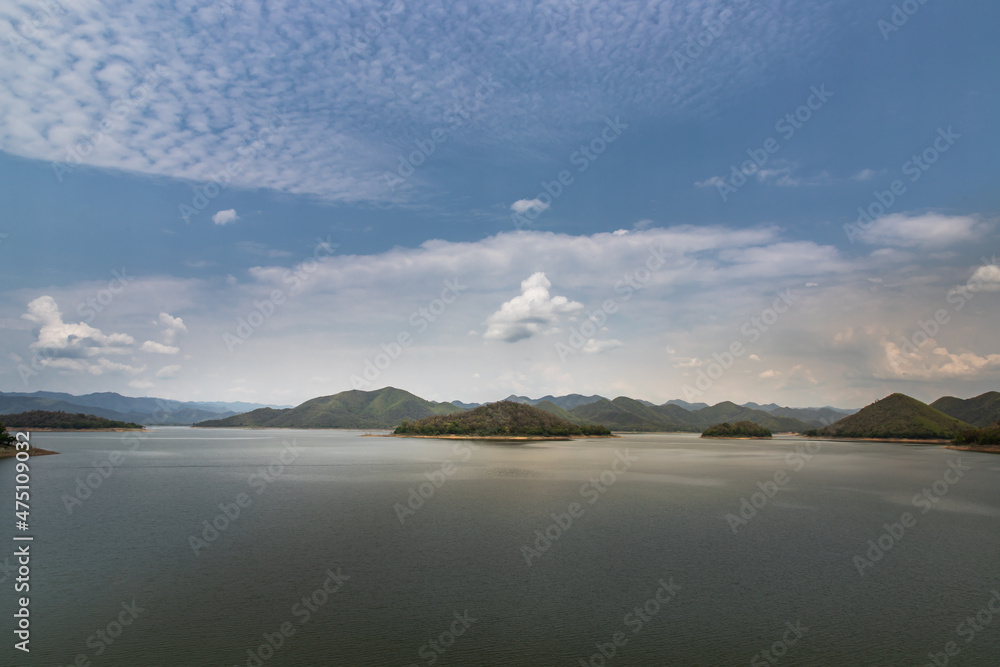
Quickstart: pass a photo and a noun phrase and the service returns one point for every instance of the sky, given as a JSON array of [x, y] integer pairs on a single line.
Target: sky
[[747, 200]]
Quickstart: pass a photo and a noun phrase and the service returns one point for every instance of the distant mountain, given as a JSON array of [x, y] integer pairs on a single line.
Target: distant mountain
[[727, 411], [981, 410], [383, 408], [686, 405], [627, 414], [770, 407], [812, 416], [499, 420], [562, 413], [114, 406], [567, 402], [896, 417], [465, 406]]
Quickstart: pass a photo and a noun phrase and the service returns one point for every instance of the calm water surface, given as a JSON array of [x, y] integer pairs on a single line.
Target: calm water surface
[[465, 579]]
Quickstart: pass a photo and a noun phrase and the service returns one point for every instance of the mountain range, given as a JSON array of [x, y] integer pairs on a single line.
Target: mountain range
[[898, 417], [388, 407], [114, 406]]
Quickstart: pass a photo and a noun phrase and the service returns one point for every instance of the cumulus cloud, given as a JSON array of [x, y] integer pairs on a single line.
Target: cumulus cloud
[[59, 339], [523, 205], [931, 361], [225, 217], [988, 275], [172, 327], [529, 313], [930, 230]]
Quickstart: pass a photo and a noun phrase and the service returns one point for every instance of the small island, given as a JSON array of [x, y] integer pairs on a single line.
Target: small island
[[45, 420], [740, 429], [503, 420]]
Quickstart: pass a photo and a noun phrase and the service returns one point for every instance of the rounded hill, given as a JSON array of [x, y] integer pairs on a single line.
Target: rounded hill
[[503, 419]]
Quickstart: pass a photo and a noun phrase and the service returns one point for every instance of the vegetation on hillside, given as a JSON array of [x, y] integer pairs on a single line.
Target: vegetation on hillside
[[989, 435], [981, 410], [67, 420], [740, 429], [501, 419], [382, 408], [895, 417]]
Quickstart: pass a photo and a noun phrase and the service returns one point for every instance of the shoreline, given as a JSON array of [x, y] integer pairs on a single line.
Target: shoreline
[[30, 429], [5, 454], [985, 449], [451, 436], [903, 441]]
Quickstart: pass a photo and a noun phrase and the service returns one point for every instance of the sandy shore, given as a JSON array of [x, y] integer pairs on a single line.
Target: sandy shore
[[986, 449], [486, 437], [31, 429]]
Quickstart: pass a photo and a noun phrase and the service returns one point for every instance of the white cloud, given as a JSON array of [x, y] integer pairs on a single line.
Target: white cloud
[[225, 217], [533, 311], [593, 346], [523, 205], [61, 339], [931, 361], [988, 275], [168, 371], [769, 373], [863, 175], [930, 230], [158, 348], [173, 325]]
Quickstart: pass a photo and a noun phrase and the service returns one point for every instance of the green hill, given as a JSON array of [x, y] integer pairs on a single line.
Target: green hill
[[627, 414], [500, 420], [895, 417], [727, 411], [64, 420], [988, 435], [981, 410], [741, 429], [383, 408]]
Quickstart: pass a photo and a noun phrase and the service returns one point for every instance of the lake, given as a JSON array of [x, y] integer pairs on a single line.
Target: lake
[[242, 547]]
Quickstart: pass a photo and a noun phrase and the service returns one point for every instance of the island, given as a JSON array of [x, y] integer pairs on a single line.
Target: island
[[503, 420], [740, 429], [45, 420]]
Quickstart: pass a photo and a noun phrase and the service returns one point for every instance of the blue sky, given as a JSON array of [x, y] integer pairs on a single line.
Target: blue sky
[[616, 189]]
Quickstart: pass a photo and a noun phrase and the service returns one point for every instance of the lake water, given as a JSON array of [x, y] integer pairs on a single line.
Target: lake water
[[327, 547]]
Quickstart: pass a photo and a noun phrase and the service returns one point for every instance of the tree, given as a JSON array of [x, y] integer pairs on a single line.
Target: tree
[[6, 439]]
